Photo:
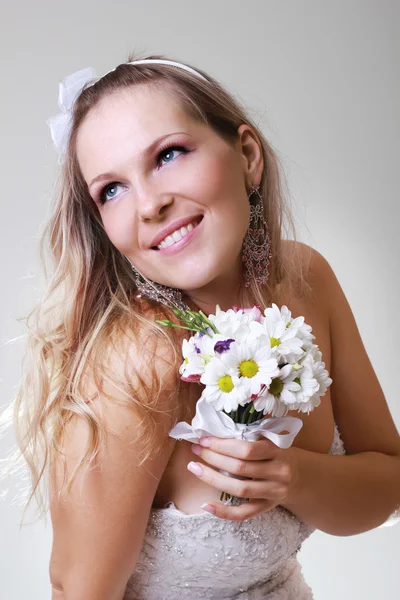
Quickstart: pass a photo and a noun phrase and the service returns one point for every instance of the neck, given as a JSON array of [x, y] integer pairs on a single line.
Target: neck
[[227, 291]]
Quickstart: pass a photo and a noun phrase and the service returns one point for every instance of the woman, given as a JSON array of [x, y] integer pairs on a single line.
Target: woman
[[150, 148]]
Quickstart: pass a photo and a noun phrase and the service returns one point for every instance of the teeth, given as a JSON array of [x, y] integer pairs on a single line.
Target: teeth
[[176, 236]]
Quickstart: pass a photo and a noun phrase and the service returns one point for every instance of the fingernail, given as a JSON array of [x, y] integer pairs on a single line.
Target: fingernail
[[208, 508], [195, 468], [205, 442], [196, 449]]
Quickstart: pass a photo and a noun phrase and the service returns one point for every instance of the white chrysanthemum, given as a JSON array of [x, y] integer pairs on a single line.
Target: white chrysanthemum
[[281, 394], [307, 398], [315, 353], [193, 363], [320, 375], [223, 388], [304, 332], [253, 362], [232, 324]]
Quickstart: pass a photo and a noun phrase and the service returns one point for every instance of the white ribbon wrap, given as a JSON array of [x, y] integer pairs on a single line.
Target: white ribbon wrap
[[208, 421]]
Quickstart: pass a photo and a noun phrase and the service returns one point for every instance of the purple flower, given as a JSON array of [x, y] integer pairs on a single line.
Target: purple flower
[[223, 346]]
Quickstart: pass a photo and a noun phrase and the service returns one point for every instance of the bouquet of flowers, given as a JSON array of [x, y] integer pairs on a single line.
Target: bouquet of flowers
[[251, 364]]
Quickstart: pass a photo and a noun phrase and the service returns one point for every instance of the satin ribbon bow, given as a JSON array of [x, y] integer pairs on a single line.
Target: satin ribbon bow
[[68, 91], [208, 421]]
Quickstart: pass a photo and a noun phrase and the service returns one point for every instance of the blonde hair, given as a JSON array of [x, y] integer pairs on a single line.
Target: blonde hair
[[90, 306]]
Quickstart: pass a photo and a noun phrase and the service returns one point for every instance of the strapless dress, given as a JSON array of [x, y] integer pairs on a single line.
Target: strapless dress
[[192, 556]]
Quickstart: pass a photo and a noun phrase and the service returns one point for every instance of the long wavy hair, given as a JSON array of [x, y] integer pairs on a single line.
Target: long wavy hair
[[90, 305]]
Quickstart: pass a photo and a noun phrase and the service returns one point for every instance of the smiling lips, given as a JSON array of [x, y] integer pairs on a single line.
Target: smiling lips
[[174, 228], [176, 236], [175, 232], [176, 246]]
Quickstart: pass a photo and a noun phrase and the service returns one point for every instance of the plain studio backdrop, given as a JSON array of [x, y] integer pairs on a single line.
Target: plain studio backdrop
[[322, 80]]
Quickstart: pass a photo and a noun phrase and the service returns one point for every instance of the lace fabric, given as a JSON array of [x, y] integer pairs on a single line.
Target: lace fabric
[[193, 556]]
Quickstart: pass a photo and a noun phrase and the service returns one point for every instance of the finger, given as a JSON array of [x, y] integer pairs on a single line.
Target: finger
[[276, 470], [242, 512], [247, 488], [260, 450]]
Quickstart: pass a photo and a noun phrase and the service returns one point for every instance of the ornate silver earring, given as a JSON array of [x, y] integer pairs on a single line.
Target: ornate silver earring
[[256, 250], [171, 297]]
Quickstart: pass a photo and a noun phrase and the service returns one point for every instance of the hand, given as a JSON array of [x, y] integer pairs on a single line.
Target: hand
[[274, 473]]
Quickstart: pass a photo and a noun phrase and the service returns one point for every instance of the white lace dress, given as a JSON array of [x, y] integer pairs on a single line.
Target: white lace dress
[[191, 556]]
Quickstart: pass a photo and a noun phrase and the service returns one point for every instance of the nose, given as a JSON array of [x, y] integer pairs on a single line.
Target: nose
[[152, 205]]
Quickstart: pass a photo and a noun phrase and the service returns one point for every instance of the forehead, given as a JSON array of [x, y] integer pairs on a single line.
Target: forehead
[[125, 123]]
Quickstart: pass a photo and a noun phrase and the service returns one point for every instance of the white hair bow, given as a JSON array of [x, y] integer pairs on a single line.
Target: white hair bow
[[68, 91]]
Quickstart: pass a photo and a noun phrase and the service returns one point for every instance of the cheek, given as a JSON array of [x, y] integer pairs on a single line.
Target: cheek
[[219, 176], [227, 191], [220, 184], [120, 228]]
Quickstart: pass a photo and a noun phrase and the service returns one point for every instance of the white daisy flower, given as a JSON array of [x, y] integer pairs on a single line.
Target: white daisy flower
[[253, 362], [303, 331], [281, 394], [223, 388], [282, 338], [294, 329], [206, 344]]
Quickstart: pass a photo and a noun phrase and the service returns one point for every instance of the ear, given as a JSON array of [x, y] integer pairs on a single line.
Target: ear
[[249, 146]]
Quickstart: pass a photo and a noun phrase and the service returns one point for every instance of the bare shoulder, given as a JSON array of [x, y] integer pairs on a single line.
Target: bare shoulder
[[99, 528], [357, 398], [306, 300], [311, 265]]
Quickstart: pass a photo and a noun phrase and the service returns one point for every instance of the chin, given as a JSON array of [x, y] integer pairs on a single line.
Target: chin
[[190, 283], [199, 271]]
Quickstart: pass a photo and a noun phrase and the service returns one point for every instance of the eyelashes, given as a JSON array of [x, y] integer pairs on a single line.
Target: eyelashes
[[102, 194]]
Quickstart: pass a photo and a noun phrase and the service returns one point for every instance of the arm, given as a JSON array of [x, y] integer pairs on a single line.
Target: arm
[[346, 495], [99, 531], [341, 495]]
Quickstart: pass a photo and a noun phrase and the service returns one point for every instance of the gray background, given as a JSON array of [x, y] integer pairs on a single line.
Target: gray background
[[322, 79]]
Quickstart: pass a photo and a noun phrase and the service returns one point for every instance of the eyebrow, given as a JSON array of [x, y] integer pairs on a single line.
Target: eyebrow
[[143, 153]]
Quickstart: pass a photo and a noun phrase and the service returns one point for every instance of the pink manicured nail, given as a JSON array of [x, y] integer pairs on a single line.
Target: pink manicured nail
[[195, 468], [196, 449], [208, 508], [205, 442]]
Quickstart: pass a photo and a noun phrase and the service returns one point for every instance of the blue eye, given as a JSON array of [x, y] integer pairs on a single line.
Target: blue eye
[[169, 150], [109, 191], [103, 195]]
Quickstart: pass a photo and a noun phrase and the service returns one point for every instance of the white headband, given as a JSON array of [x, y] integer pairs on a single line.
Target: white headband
[[71, 87]]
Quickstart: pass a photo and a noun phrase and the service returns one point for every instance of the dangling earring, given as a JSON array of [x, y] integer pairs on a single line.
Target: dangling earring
[[171, 297], [256, 250]]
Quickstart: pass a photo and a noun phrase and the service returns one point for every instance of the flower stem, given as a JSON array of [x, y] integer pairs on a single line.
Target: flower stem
[[210, 323], [246, 412], [169, 324]]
